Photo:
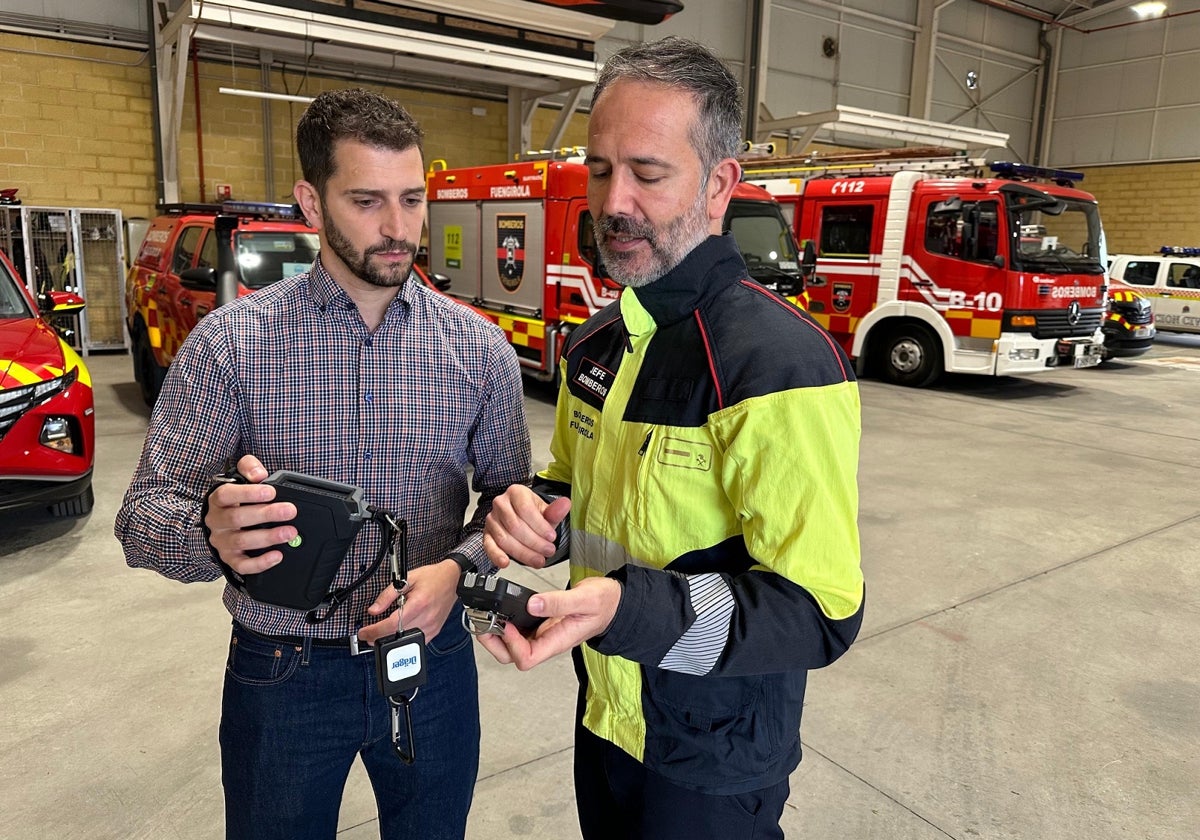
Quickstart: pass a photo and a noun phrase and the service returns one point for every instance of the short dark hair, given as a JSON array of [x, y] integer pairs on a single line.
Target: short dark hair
[[353, 114], [690, 66]]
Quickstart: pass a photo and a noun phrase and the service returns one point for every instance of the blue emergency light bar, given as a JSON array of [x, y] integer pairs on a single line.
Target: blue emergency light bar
[[1179, 251], [259, 208], [1010, 169]]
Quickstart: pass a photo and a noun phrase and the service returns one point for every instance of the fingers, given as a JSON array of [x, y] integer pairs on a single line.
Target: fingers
[[510, 648], [496, 647], [574, 616], [236, 514], [385, 600], [517, 527], [372, 633]]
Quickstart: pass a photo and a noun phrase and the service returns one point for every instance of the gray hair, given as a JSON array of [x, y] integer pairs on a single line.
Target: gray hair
[[692, 67]]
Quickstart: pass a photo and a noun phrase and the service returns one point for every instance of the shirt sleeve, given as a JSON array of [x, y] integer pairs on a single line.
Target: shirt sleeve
[[193, 432], [499, 448]]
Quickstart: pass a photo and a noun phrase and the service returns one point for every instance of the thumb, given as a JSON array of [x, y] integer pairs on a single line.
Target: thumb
[[557, 510], [252, 468], [550, 604]]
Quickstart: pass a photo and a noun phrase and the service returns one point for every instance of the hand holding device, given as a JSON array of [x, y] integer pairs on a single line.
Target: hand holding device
[[491, 602]]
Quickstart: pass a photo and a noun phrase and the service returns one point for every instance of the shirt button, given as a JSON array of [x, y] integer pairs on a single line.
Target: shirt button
[[367, 341], [369, 397], [366, 456]]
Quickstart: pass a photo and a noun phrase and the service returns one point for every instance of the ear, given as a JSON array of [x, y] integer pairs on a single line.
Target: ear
[[310, 203], [721, 182]]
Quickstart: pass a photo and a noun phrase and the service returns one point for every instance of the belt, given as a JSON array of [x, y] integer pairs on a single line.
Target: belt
[[352, 643]]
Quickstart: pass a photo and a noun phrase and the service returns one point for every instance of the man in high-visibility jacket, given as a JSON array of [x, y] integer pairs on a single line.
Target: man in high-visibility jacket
[[706, 448]]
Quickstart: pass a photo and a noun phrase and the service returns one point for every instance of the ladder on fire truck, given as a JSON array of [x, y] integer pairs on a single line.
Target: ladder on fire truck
[[757, 165], [928, 159]]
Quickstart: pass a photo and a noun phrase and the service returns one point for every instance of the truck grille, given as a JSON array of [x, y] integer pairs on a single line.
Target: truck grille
[[1054, 324]]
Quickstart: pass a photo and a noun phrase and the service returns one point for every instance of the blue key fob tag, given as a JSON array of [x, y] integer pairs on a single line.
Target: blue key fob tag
[[400, 663]]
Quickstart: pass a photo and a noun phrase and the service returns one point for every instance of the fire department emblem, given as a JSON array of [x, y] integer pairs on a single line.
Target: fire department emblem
[[841, 296], [510, 249]]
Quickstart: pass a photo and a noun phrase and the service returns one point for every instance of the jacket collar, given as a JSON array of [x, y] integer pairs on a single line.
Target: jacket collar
[[709, 267]]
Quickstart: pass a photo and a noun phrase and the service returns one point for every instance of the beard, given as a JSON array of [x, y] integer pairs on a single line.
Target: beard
[[668, 246], [359, 262]]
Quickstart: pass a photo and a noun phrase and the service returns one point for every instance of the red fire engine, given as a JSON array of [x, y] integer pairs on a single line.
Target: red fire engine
[[516, 241], [928, 263]]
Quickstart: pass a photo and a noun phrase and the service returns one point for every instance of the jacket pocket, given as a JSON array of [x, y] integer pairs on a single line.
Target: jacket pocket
[[720, 730]]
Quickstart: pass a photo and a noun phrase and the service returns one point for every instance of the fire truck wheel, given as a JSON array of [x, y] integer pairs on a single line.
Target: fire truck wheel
[[911, 356], [146, 369]]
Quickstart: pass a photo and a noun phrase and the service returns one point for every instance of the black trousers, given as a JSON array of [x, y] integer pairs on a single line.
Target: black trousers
[[619, 799]]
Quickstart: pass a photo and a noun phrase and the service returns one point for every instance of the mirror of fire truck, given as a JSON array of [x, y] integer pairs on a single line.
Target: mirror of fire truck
[[227, 280], [201, 279], [590, 253], [808, 263], [440, 281]]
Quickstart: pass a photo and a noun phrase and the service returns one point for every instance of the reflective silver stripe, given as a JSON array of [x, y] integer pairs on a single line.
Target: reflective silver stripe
[[597, 553], [698, 649]]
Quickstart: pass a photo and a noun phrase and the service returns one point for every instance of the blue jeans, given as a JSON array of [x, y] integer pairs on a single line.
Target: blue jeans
[[293, 717]]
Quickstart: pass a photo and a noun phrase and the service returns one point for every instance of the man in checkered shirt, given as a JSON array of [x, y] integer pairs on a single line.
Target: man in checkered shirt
[[354, 372]]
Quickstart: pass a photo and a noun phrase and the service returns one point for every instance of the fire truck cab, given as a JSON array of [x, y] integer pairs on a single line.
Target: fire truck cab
[[930, 265], [516, 241]]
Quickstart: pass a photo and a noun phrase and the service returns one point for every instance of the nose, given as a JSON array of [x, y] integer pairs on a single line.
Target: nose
[[618, 195], [395, 221]]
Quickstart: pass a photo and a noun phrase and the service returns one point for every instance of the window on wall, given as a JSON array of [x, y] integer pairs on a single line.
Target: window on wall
[[846, 231]]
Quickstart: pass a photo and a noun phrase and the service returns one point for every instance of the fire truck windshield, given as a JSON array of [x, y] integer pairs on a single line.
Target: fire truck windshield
[[1061, 236], [766, 244]]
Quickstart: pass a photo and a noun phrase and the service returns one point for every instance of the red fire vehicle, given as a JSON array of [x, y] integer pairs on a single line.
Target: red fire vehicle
[[933, 264], [516, 241]]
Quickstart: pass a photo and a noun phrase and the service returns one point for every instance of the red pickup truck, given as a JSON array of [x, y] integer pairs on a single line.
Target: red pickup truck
[[173, 282]]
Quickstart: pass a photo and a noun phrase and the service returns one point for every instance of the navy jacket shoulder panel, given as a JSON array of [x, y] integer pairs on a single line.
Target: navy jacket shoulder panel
[[759, 344]]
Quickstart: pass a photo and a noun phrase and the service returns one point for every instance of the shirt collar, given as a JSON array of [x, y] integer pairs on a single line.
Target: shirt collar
[[327, 292]]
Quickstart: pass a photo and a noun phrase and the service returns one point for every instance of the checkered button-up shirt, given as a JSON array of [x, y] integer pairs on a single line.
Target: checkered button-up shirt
[[292, 376]]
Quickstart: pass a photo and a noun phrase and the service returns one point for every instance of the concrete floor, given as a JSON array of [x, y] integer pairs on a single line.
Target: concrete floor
[[1027, 669]]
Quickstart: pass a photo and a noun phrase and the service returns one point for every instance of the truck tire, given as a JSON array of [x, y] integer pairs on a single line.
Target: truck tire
[[911, 355], [146, 369]]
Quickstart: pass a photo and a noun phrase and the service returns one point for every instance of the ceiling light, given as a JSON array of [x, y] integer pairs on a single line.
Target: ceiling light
[[1149, 10], [264, 94]]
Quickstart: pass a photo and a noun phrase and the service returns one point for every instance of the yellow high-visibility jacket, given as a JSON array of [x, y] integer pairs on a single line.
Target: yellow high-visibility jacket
[[707, 432]]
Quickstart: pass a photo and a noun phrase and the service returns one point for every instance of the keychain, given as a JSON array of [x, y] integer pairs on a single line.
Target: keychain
[[400, 660]]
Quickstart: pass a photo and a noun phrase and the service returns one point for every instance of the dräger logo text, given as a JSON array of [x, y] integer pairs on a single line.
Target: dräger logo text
[[403, 662]]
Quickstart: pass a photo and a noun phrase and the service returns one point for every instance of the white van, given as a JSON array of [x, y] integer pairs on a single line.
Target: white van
[[1170, 282]]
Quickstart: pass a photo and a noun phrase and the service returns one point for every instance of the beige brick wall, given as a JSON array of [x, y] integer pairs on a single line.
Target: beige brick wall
[[75, 127], [75, 124], [1147, 206], [75, 131], [232, 133]]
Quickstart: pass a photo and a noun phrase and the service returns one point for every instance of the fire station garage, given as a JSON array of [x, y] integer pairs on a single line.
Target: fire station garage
[[1001, 200]]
